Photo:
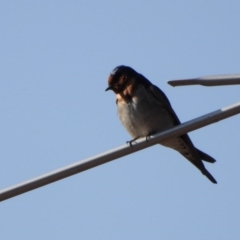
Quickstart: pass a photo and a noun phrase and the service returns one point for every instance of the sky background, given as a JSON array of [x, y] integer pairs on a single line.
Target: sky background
[[55, 57]]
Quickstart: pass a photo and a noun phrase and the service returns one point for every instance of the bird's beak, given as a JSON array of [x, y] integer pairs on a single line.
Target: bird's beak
[[109, 88]]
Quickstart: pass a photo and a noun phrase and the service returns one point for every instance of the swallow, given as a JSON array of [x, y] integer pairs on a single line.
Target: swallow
[[144, 110]]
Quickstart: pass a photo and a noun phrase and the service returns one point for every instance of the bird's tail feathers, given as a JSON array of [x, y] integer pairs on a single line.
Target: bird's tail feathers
[[209, 176], [205, 157]]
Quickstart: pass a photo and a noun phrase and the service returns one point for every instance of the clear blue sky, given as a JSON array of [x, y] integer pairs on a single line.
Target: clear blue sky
[[55, 57]]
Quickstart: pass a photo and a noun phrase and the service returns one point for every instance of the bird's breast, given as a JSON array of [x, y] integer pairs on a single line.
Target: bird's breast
[[140, 115]]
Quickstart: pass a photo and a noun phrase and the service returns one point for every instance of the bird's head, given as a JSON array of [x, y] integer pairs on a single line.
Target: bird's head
[[120, 78]]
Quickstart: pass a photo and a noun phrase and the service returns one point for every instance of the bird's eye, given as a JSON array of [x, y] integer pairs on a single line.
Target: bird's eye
[[115, 85]]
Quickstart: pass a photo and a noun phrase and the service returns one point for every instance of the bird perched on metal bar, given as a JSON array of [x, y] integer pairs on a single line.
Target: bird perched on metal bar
[[144, 110]]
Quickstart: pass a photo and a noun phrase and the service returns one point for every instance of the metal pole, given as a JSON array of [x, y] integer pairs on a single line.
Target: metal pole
[[118, 152], [215, 80]]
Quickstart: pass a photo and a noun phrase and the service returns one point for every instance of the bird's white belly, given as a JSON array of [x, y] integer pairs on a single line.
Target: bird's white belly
[[142, 118], [132, 119]]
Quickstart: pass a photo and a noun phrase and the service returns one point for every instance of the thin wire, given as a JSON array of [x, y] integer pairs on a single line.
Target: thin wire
[[209, 81], [118, 152]]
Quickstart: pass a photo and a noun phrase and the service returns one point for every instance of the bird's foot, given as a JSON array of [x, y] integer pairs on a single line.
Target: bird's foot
[[131, 141], [149, 135]]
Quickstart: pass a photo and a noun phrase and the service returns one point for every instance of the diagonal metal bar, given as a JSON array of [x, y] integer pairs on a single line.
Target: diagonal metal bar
[[215, 80], [118, 152]]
